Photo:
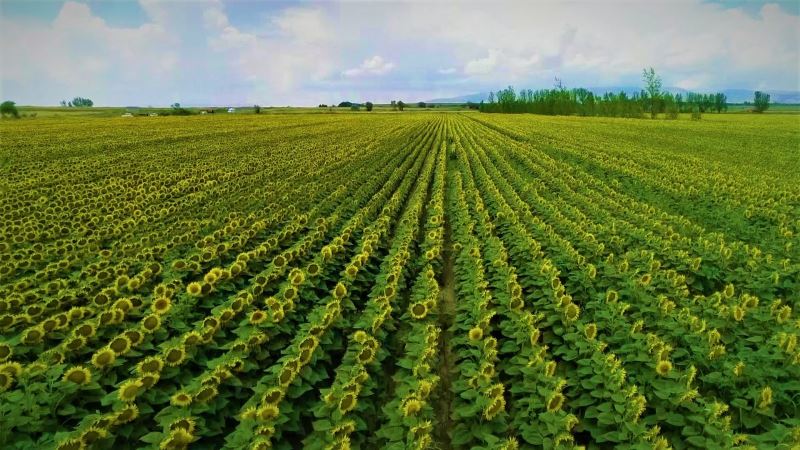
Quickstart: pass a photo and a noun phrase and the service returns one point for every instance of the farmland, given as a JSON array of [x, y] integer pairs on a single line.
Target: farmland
[[400, 281]]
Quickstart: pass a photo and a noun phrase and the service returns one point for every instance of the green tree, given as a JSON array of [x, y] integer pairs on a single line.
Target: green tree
[[368, 105], [696, 115], [82, 102], [761, 101], [257, 109], [400, 105], [10, 108], [421, 104], [652, 83]]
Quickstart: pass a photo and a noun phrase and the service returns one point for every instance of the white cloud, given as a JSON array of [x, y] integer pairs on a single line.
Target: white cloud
[[482, 66], [197, 52], [371, 66]]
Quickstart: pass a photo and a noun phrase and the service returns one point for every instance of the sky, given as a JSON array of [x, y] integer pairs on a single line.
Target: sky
[[277, 53]]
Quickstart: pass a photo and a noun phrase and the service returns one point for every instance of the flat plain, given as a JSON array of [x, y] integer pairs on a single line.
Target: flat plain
[[400, 280]]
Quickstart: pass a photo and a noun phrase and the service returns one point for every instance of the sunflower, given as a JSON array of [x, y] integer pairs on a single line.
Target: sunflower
[[273, 396], [738, 369], [475, 334], [738, 313], [5, 352], [161, 305], [550, 369], [177, 439], [555, 402], [340, 291], [192, 338], [495, 407], [120, 345], [611, 296], [78, 375], [92, 434], [194, 289], [572, 312], [180, 398], [129, 390], [366, 356], [418, 310], [268, 412], [151, 323], [765, 398], [6, 380], [103, 358], [663, 368], [186, 423], [590, 331], [257, 317], [411, 406], [32, 336], [175, 356], [729, 291], [290, 293]]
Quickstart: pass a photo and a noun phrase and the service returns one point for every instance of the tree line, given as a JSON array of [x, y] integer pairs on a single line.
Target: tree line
[[77, 102], [651, 100]]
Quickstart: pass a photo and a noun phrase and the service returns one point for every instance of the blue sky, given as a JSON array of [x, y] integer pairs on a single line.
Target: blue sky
[[152, 52]]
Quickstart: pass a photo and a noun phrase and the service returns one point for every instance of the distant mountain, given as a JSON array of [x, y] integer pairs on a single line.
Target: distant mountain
[[476, 98], [734, 95]]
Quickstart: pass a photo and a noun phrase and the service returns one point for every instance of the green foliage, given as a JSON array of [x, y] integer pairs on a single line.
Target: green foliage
[[9, 108], [760, 101], [418, 281]]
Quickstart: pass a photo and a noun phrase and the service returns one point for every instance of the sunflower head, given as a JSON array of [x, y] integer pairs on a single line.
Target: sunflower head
[[729, 291], [78, 375], [475, 334], [765, 398], [186, 423], [151, 323], [738, 369], [340, 291], [129, 390], [611, 296], [268, 412], [590, 331], [181, 398], [366, 355], [5, 352], [663, 368], [418, 310], [348, 402], [161, 305], [103, 358], [194, 289], [120, 345], [175, 356], [92, 434], [738, 313], [572, 312], [495, 407], [555, 402], [411, 406]]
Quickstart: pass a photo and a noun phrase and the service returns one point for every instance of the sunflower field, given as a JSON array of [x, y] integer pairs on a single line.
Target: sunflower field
[[399, 281]]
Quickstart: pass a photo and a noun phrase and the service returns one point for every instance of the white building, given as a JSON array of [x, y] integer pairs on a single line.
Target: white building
[[231, 110]]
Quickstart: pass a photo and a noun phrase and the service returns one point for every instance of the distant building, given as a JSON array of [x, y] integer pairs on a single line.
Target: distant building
[[231, 110], [127, 114]]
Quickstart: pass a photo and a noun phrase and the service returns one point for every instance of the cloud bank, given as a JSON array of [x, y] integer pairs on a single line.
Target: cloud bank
[[199, 53]]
